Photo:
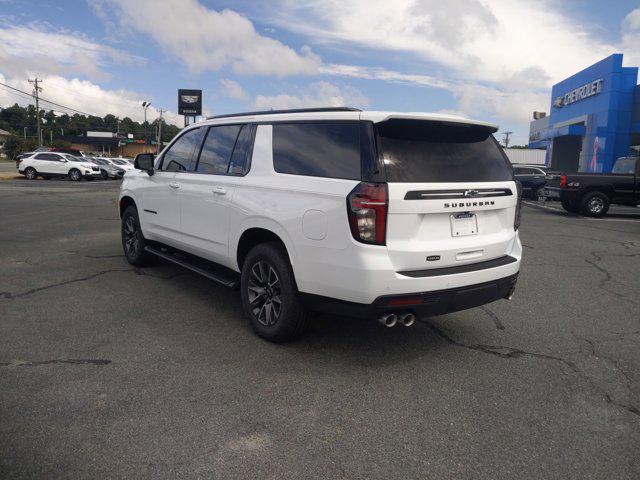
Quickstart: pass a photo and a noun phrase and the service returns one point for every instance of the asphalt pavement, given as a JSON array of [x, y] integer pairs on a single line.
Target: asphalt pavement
[[107, 371]]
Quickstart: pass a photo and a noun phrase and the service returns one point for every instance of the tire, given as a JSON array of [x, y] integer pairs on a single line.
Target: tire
[[75, 175], [537, 193], [30, 173], [595, 204], [267, 279], [570, 206], [133, 242], [104, 174]]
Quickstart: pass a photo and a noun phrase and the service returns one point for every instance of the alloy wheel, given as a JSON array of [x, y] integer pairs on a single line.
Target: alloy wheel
[[265, 293], [131, 237], [75, 175], [31, 173], [596, 205]]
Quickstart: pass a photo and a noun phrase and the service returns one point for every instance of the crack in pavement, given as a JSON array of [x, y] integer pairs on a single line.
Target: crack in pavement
[[607, 276], [510, 352], [493, 316], [12, 296], [66, 361]]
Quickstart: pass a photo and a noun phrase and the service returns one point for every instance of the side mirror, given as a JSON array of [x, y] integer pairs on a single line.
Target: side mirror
[[144, 161]]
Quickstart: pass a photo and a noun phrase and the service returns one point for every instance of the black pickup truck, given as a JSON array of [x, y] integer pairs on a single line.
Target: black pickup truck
[[592, 193]]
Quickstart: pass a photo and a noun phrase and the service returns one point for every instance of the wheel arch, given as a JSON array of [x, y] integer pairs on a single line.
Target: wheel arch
[[125, 202], [261, 233]]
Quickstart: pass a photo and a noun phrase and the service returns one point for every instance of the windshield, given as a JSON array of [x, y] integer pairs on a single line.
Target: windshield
[[430, 151], [625, 165], [71, 158]]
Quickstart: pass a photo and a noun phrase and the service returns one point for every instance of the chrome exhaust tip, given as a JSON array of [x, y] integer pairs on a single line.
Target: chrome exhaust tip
[[388, 320], [407, 319]]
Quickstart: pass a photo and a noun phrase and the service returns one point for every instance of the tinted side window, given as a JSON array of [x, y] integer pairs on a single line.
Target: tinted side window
[[317, 149], [178, 157], [244, 147], [217, 148], [47, 156]]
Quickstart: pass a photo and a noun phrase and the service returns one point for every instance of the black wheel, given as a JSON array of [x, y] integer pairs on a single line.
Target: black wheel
[[30, 173], [538, 192], [595, 204], [133, 242], [570, 206], [75, 175], [104, 174], [269, 294]]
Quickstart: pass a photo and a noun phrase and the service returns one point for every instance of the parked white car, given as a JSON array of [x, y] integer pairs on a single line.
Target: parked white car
[[373, 214], [122, 163], [51, 164]]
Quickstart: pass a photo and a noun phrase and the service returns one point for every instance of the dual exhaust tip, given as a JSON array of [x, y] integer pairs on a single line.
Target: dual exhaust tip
[[389, 320]]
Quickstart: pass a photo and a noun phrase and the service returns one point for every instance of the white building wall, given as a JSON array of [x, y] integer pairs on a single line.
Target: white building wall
[[524, 155]]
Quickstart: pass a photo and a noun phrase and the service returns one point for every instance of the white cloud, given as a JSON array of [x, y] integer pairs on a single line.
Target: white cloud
[[232, 89], [39, 49], [317, 94], [497, 58], [379, 73], [84, 96], [206, 39], [631, 37]]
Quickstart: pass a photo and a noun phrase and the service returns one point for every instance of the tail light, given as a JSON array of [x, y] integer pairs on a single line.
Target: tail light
[[516, 219], [367, 206], [563, 181]]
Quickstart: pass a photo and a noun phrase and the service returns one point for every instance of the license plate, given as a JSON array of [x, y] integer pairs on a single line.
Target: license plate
[[464, 224]]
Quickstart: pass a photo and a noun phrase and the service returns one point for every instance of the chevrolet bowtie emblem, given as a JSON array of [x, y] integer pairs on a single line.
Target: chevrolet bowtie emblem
[[471, 193]]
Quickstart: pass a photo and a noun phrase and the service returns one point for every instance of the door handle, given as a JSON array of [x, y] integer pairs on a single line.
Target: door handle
[[174, 185], [219, 190]]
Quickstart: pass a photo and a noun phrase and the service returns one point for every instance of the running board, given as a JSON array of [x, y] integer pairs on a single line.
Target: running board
[[226, 279]]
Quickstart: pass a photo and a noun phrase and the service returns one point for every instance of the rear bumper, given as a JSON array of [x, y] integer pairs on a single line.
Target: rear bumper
[[425, 304]]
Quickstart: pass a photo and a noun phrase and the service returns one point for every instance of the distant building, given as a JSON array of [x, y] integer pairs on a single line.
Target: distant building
[[107, 143], [594, 118]]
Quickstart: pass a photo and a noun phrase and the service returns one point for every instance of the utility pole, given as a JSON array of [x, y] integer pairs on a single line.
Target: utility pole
[[506, 138], [24, 131], [36, 90], [159, 133]]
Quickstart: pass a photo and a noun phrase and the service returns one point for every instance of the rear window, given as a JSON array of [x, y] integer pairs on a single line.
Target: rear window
[[625, 165], [419, 151], [317, 149]]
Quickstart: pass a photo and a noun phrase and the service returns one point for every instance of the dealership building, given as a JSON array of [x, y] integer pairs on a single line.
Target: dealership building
[[594, 118]]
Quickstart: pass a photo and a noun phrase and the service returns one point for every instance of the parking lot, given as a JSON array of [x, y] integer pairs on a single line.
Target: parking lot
[[111, 371]]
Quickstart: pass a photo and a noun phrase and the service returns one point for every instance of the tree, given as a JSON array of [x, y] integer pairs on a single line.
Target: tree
[[15, 146]]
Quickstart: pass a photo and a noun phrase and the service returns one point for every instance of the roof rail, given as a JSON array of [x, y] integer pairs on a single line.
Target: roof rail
[[293, 110]]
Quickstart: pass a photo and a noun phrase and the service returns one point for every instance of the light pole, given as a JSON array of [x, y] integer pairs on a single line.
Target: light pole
[[145, 105]]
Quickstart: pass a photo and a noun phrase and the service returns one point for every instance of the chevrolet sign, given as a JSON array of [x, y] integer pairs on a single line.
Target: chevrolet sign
[[580, 93]]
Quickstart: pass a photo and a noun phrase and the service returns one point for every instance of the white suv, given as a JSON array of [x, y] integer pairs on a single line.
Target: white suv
[[52, 164], [371, 214]]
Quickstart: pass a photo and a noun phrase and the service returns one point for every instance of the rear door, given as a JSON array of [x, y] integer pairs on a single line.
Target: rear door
[[452, 197], [48, 163], [207, 189]]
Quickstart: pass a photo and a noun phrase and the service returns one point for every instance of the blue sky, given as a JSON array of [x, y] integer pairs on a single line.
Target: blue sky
[[489, 59]]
